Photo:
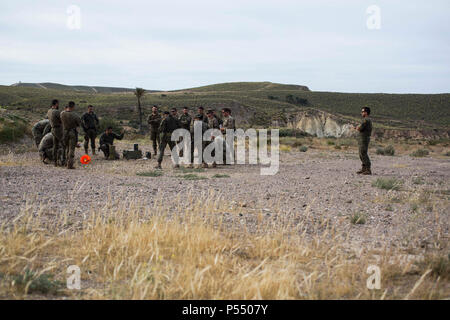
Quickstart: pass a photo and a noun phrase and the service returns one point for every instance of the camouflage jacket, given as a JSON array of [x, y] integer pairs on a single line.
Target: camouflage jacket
[[109, 138], [204, 126], [365, 129], [229, 123], [41, 126], [213, 123], [154, 120], [70, 120], [89, 121], [54, 117], [169, 125], [185, 121], [46, 142]]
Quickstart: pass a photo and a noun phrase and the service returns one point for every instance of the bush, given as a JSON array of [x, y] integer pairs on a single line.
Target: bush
[[303, 149], [387, 184], [388, 151], [41, 284], [358, 218], [150, 174], [109, 122], [420, 153]]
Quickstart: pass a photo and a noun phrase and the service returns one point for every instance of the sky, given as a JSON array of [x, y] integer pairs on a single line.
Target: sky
[[391, 46]]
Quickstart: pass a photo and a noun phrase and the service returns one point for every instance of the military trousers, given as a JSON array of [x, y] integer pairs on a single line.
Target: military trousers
[[90, 134], [363, 145], [166, 140], [70, 143], [58, 142]]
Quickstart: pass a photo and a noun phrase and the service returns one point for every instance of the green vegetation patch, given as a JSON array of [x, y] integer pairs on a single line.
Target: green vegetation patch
[[33, 283], [387, 151], [419, 153], [358, 218], [191, 176], [221, 176], [155, 173], [387, 184]]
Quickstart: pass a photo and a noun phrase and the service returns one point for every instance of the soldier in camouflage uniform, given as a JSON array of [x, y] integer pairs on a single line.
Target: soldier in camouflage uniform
[[46, 149], [89, 122], [185, 119], [365, 131], [54, 117], [168, 125], [197, 118], [40, 129], [70, 122], [201, 113], [228, 123], [213, 123], [154, 120], [107, 140]]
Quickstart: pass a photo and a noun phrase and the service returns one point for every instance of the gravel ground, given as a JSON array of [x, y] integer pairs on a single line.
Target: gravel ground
[[312, 185]]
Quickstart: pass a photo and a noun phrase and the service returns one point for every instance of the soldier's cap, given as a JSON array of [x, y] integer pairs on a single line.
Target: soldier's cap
[[166, 112], [209, 111]]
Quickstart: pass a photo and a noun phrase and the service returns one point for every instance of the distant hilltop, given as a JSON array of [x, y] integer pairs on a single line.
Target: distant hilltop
[[223, 87], [87, 89]]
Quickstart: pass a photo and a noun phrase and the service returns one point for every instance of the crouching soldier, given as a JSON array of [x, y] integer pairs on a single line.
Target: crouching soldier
[[40, 129], [46, 149], [107, 143]]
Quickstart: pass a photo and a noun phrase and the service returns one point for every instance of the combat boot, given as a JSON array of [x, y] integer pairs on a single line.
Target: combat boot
[[367, 172], [363, 168], [158, 166], [204, 165], [70, 165], [93, 151], [214, 165], [176, 166]]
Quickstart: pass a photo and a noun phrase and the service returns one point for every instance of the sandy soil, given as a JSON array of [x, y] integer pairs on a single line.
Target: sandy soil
[[311, 185]]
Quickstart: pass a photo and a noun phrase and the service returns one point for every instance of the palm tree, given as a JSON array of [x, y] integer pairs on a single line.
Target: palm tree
[[139, 93]]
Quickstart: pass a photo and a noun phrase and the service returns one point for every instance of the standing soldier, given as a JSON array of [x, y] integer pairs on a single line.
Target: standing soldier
[[217, 117], [89, 122], [201, 113], [70, 122], [228, 123], [197, 118], [185, 119], [168, 125], [365, 131], [154, 120], [107, 140], [213, 123], [54, 117], [40, 129]]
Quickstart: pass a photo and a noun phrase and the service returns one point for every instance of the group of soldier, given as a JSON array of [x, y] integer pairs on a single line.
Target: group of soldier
[[161, 128], [57, 136]]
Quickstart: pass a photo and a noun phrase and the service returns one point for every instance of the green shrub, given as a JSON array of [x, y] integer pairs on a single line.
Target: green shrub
[[10, 132], [303, 149], [420, 153], [331, 142], [150, 173], [358, 218], [387, 184], [220, 176], [388, 151], [40, 284], [191, 176], [109, 122]]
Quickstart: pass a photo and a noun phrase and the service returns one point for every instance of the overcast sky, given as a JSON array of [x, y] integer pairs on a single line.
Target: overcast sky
[[324, 44]]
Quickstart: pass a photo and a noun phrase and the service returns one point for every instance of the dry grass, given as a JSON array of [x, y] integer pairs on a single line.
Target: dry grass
[[134, 251]]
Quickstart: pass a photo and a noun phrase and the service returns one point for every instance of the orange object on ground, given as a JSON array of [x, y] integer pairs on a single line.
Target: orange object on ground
[[85, 159]]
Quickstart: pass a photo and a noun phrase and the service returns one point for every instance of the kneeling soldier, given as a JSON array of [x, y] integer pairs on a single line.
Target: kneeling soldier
[[107, 141], [46, 149], [40, 129]]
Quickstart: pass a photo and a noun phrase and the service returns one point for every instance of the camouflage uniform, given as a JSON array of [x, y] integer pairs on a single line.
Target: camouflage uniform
[[40, 129], [228, 123], [54, 117], [213, 123], [168, 125], [365, 130], [89, 122], [154, 120], [70, 121], [46, 148], [204, 128], [185, 121], [107, 140]]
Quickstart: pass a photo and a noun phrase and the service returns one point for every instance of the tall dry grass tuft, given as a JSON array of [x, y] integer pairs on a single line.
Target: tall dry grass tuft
[[193, 250]]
